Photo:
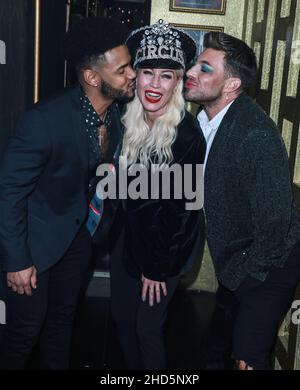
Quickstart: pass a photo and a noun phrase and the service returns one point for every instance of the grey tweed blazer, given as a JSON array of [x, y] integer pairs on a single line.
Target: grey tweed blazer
[[252, 224]]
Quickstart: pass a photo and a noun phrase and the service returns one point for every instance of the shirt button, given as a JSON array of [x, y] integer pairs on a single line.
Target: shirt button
[[77, 221]]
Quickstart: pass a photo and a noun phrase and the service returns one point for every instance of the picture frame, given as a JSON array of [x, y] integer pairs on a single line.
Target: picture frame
[[199, 6], [197, 32]]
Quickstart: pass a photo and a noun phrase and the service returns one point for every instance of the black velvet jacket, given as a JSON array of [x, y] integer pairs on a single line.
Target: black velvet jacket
[[161, 234]]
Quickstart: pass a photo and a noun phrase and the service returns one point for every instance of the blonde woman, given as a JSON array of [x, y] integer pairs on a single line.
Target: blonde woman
[[160, 234]]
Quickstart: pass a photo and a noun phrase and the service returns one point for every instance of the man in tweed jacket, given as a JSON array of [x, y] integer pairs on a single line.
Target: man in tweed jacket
[[253, 228]]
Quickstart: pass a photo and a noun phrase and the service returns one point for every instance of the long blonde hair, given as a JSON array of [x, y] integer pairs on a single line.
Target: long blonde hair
[[145, 146]]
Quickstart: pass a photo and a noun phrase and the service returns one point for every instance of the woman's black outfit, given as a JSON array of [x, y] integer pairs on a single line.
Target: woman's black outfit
[[159, 240]]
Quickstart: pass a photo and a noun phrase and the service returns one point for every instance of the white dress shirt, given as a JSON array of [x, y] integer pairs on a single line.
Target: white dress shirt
[[209, 128]]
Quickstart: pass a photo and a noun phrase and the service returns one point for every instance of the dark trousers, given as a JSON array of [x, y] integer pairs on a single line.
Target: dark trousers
[[140, 326], [218, 345], [258, 309], [45, 318]]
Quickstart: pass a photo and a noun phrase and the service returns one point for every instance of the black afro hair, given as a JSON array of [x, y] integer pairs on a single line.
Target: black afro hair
[[92, 37]]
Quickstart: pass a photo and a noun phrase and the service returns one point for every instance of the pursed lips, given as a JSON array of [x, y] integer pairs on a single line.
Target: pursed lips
[[153, 96], [189, 84]]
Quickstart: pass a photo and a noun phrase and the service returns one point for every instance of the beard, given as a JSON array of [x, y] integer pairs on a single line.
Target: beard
[[201, 98], [113, 93], [203, 95]]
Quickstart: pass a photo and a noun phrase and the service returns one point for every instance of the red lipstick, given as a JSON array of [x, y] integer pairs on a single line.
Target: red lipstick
[[153, 96], [189, 84]]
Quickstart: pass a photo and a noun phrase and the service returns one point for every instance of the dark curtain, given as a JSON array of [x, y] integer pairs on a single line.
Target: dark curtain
[[53, 26], [16, 75]]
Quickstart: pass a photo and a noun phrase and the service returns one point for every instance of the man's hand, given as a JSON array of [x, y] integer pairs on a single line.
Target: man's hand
[[154, 288], [23, 281]]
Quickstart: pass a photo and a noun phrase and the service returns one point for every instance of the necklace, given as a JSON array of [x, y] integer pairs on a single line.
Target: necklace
[[102, 118], [102, 133]]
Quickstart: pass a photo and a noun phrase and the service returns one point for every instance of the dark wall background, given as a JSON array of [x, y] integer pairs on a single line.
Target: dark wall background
[[53, 27], [16, 76]]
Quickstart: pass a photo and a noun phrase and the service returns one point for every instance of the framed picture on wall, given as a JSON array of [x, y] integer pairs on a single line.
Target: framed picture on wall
[[199, 6], [197, 32]]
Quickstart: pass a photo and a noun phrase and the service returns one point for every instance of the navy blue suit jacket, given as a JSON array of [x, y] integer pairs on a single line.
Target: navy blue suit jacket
[[44, 184]]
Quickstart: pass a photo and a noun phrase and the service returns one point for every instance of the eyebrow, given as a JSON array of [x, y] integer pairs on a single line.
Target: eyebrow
[[122, 66], [163, 71], [205, 62], [169, 71]]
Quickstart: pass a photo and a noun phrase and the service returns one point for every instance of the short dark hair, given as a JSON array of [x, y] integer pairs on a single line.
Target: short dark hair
[[87, 41], [240, 60]]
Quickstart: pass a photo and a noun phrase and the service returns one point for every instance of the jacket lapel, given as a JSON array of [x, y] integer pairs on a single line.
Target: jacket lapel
[[79, 128], [224, 129]]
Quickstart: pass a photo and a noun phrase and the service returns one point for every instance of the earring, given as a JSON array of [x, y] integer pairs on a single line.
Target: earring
[[226, 97]]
